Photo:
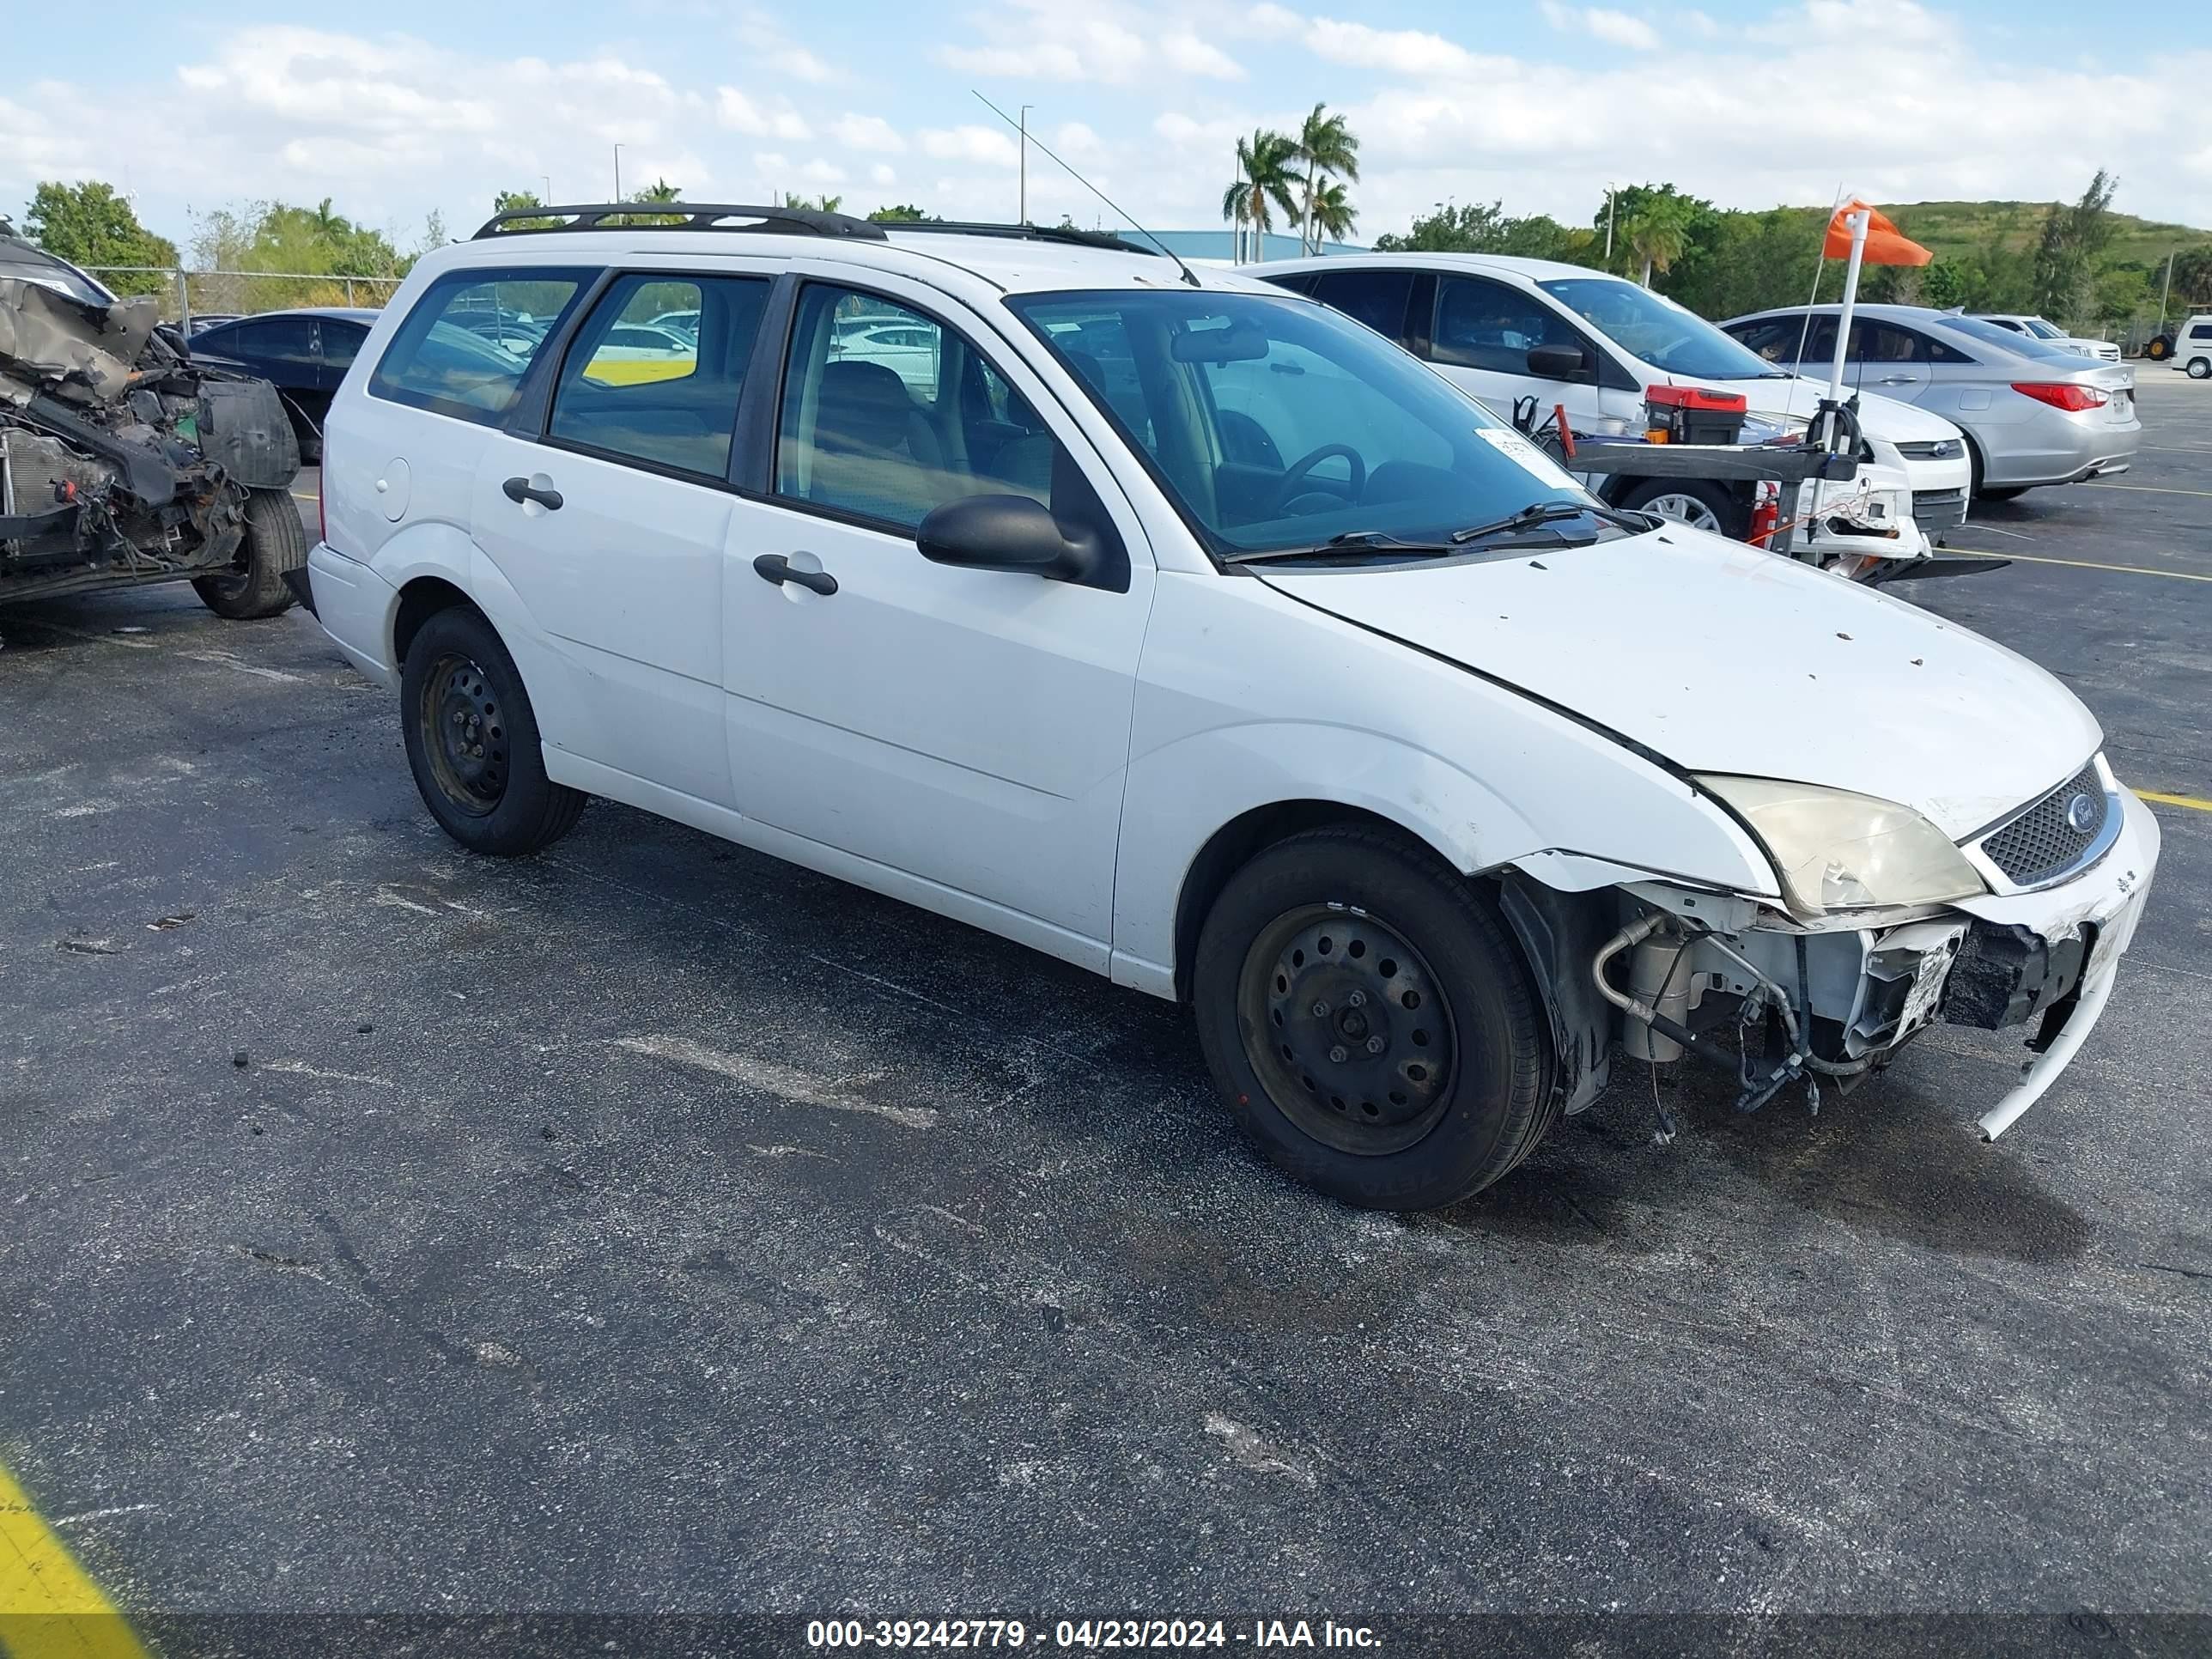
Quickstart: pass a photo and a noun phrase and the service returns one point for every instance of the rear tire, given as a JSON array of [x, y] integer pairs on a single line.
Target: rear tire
[[2004, 492], [1700, 505], [275, 542], [1369, 1023], [472, 740], [2159, 349]]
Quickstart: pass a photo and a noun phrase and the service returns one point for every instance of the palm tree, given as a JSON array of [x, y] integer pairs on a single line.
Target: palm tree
[[659, 192], [818, 204], [1333, 214], [1263, 183], [1658, 230], [1328, 147]]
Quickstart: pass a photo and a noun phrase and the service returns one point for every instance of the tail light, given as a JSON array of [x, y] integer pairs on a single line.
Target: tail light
[[2062, 394]]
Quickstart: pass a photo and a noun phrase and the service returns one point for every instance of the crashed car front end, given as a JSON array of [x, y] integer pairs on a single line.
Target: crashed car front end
[[120, 462], [1884, 928]]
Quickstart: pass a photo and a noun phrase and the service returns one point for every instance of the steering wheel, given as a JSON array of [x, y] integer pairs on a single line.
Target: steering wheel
[[1307, 463]]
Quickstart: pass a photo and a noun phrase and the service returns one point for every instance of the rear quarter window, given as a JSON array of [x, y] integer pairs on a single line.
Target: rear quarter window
[[464, 350]]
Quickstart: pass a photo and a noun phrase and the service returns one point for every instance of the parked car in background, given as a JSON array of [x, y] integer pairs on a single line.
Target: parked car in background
[[2037, 328], [2033, 413], [683, 322], [205, 320], [304, 354], [1476, 319], [1425, 777], [2192, 347]]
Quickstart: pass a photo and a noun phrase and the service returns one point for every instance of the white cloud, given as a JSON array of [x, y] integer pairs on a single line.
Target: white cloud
[[1395, 52], [1270, 19], [987, 145], [1074, 138], [1188, 55], [821, 172], [740, 113], [767, 46], [1041, 44], [867, 132], [1616, 28], [882, 175]]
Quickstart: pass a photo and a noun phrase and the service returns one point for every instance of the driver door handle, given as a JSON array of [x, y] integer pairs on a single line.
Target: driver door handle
[[519, 490], [1895, 380], [774, 568]]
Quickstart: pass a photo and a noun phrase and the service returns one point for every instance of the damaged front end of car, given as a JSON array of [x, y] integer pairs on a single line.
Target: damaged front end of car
[[1884, 927], [121, 462]]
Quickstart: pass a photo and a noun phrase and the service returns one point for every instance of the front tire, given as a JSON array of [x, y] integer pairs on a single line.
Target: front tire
[[2004, 492], [1368, 1020], [2200, 368], [275, 542], [1695, 502], [472, 741]]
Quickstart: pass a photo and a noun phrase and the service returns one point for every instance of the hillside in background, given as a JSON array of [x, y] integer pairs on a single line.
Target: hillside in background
[[1957, 229]]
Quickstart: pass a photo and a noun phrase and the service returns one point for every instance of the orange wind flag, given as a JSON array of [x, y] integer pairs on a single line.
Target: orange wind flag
[[1885, 243]]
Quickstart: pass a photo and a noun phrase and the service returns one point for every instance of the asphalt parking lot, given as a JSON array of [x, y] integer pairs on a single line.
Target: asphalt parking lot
[[651, 1227]]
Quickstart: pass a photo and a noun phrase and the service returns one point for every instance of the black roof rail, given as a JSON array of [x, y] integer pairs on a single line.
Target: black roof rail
[[1107, 240], [686, 215]]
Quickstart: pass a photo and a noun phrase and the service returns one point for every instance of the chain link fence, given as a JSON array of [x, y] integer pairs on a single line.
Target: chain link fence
[[187, 295]]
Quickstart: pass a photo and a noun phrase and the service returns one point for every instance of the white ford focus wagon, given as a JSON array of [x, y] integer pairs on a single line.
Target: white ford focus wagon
[[1186, 629]]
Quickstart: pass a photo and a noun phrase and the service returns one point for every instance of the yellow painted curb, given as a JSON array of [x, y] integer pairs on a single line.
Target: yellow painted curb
[[49, 1607]]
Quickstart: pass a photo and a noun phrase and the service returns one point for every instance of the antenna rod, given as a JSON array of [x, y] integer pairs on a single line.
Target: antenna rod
[[1188, 275]]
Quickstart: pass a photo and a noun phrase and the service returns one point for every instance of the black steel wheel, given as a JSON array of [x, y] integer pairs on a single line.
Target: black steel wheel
[[468, 743], [1343, 1020], [1369, 1021], [472, 740]]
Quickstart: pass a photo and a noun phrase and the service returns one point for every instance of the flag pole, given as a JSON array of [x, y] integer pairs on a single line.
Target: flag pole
[[1857, 222]]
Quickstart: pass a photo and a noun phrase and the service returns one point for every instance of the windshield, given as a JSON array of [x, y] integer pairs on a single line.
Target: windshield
[[2023, 345], [2044, 330], [1652, 327], [1275, 423]]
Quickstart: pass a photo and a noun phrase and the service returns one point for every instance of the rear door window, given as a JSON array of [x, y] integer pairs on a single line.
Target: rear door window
[[638, 392], [471, 339], [1379, 299]]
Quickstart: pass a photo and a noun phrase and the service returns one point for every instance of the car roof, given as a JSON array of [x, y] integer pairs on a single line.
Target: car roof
[[1009, 263], [1510, 265], [349, 313]]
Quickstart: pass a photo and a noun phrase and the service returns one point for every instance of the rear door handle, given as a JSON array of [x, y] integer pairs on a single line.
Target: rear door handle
[[521, 489], [1895, 380], [774, 568]]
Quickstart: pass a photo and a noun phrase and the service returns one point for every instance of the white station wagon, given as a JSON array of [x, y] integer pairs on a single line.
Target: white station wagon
[[1184, 628]]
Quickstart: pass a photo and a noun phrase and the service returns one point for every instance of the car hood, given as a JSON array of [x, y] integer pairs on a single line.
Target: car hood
[[1724, 659], [1880, 417]]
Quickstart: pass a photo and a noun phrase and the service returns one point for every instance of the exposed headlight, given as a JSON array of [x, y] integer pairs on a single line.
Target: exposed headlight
[[1838, 851]]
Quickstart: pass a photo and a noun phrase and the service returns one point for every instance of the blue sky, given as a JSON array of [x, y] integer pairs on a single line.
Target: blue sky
[[407, 108]]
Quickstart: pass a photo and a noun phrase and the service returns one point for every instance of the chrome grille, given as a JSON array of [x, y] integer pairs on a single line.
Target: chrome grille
[[2044, 841], [1933, 449]]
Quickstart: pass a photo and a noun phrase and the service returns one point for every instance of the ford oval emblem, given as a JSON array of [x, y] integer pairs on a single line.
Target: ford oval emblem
[[2081, 813]]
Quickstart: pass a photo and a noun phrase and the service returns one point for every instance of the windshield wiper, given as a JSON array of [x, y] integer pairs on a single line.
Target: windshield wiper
[[1350, 541], [1537, 514]]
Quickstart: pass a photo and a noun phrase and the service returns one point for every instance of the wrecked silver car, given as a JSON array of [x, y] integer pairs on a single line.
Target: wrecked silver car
[[121, 463]]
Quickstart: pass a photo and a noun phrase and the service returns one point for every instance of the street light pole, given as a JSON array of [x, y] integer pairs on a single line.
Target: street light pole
[[1022, 203], [618, 150], [1608, 227]]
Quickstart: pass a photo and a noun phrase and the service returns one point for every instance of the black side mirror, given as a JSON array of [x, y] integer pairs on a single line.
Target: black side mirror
[[1557, 363], [1007, 533]]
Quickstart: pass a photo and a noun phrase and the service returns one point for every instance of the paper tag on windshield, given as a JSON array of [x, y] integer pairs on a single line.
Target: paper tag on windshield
[[1514, 447]]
